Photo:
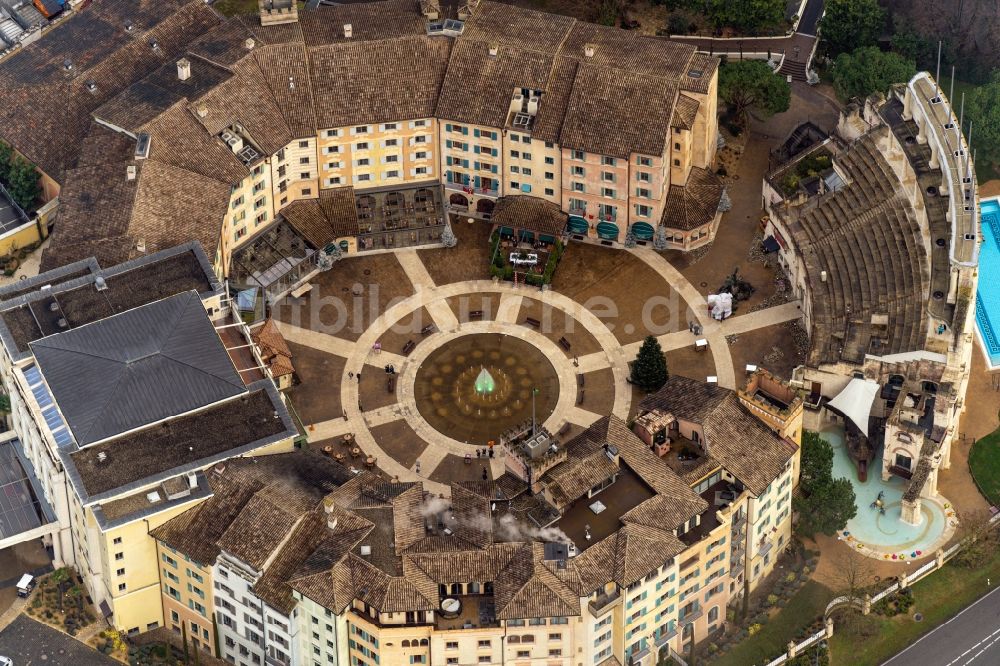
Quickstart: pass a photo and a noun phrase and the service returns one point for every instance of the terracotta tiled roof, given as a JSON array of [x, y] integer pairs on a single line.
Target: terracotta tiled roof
[[478, 87], [285, 70], [695, 204], [370, 21], [609, 112], [273, 586], [176, 138], [525, 29], [527, 212], [699, 72], [586, 466], [361, 82], [320, 221], [745, 447], [45, 111], [526, 588], [685, 112]]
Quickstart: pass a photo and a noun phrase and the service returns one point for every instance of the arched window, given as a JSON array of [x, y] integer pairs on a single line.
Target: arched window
[[406, 643], [423, 642]]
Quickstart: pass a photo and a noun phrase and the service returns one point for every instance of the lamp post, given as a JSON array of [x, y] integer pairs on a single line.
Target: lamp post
[[534, 392]]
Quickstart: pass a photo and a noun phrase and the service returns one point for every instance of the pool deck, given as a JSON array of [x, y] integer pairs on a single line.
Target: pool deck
[[989, 274]]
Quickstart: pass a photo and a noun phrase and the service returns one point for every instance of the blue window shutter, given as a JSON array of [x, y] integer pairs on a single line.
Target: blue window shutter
[[475, 132], [476, 181], [496, 152], [495, 168], [475, 165], [465, 163], [465, 131], [475, 149], [447, 128], [448, 143], [526, 187], [465, 178]]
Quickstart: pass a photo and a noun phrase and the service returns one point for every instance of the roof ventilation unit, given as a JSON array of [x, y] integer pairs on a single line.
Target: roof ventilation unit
[[100, 284], [348, 31], [183, 69], [366, 550], [588, 50], [249, 43], [130, 172], [494, 50]]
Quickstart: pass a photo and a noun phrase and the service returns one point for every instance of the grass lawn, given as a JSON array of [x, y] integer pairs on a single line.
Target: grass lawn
[[984, 463], [939, 597], [802, 610]]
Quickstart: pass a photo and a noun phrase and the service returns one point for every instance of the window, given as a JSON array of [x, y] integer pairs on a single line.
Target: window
[[281, 171], [484, 644], [388, 127], [361, 129], [555, 652], [364, 161], [420, 123], [607, 161], [578, 187], [305, 175], [643, 177], [903, 461], [677, 146], [391, 142], [578, 171], [514, 185], [117, 540], [608, 192], [333, 180], [451, 645], [555, 637], [549, 192], [550, 160], [391, 159], [608, 176], [120, 572], [451, 660], [515, 138], [549, 175], [303, 160], [363, 145], [332, 133], [515, 169], [526, 171], [677, 162], [418, 659], [713, 614], [523, 654], [363, 178], [420, 155], [119, 556], [579, 155], [515, 154], [174, 617], [169, 560], [391, 174], [643, 161], [121, 587]]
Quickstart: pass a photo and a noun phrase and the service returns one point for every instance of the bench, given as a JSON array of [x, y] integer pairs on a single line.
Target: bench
[[390, 384], [408, 347], [564, 343], [476, 314], [580, 381], [580, 396], [531, 321], [427, 330]]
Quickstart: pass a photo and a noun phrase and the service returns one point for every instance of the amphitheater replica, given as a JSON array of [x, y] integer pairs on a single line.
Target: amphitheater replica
[[877, 229]]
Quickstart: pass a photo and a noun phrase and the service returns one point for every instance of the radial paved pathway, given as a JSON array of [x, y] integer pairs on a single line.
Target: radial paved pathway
[[434, 297]]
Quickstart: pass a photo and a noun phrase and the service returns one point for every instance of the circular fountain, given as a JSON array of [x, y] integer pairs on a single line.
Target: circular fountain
[[479, 385]]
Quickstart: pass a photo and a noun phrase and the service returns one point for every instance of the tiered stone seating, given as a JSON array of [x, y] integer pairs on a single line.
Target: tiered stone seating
[[867, 239]]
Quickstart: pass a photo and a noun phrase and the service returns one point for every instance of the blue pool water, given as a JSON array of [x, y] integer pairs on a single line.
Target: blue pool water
[[988, 294], [884, 532]]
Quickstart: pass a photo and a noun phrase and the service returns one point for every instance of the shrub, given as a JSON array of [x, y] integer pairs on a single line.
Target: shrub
[[753, 628]]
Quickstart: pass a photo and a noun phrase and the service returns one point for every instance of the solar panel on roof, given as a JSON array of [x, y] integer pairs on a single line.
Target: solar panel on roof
[[32, 374]]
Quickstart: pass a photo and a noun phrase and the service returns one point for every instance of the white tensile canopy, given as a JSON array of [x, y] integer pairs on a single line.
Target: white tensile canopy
[[855, 402]]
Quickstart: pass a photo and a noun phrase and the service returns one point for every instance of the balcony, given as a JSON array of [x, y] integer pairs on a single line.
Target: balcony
[[604, 602], [664, 638], [691, 617]]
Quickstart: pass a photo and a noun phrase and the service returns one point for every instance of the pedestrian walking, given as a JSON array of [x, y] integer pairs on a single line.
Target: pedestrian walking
[[350, 375], [486, 475]]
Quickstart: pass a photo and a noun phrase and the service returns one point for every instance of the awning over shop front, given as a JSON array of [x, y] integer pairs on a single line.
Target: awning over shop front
[[642, 231], [855, 402], [577, 225], [547, 239], [506, 231], [607, 230]]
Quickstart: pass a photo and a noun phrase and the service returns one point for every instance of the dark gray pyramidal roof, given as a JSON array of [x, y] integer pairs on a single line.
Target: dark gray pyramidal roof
[[137, 367]]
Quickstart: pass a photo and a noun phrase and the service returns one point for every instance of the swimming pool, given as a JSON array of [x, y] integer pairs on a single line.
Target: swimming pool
[[885, 534], [987, 294]]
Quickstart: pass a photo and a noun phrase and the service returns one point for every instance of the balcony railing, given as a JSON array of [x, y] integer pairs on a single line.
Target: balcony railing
[[603, 601]]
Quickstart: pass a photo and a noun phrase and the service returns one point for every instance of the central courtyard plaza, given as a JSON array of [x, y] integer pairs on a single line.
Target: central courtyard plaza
[[408, 317]]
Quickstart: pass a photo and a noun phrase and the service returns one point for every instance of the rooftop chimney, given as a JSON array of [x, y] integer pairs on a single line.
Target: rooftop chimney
[[202, 111], [348, 30], [130, 172], [67, 64], [494, 50], [183, 69], [588, 50], [249, 43], [155, 45]]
